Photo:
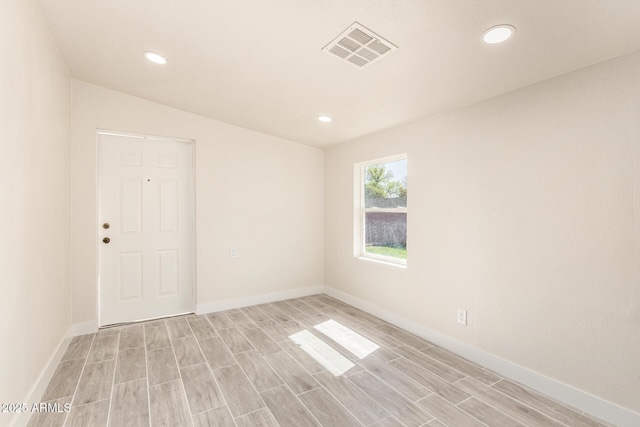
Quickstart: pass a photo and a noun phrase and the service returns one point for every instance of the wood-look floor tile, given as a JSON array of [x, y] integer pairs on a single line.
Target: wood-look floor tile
[[363, 407], [405, 385], [303, 307], [286, 308], [130, 404], [240, 320], [240, 395], [95, 383], [321, 306], [168, 405], [310, 364], [293, 326], [385, 354], [430, 380], [314, 302], [287, 409], [334, 302], [219, 321], [327, 300], [355, 370], [341, 317], [201, 328], [392, 422], [78, 347], [218, 417], [488, 414], [462, 365], [154, 323], [64, 380], [291, 372], [399, 406], [545, 405], [255, 314], [131, 336], [187, 351], [311, 320], [53, 418], [441, 369], [377, 336], [201, 389], [327, 410], [362, 316], [259, 418], [103, 348], [161, 365], [261, 341], [258, 371], [216, 353], [389, 387], [339, 347], [108, 331], [94, 414], [131, 365], [276, 314], [156, 337], [448, 413], [274, 330], [306, 320], [335, 345], [178, 328], [506, 404], [404, 337], [330, 301], [234, 339]]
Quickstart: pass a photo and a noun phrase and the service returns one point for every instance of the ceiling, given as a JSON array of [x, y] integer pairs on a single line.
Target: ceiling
[[259, 63]]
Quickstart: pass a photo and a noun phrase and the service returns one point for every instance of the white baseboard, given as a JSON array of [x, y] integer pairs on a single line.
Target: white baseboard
[[579, 399], [212, 307], [90, 327], [37, 390]]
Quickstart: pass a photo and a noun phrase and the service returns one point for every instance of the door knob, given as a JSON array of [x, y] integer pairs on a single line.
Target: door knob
[[106, 225], [106, 240]]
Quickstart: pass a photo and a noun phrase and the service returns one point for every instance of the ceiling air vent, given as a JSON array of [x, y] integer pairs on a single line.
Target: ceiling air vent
[[360, 46]]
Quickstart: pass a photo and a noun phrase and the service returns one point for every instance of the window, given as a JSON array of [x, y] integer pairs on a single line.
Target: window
[[381, 210]]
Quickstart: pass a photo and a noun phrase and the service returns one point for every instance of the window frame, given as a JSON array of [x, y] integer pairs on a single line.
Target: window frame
[[359, 212]]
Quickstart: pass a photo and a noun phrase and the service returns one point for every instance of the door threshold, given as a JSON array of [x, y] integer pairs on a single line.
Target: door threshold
[[134, 322]]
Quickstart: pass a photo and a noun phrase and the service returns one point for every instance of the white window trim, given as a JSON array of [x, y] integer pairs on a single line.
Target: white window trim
[[359, 212]]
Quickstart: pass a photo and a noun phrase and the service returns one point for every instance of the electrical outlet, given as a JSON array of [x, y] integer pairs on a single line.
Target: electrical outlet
[[233, 253], [462, 316]]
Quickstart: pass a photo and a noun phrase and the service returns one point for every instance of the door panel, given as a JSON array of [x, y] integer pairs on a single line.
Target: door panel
[[131, 205], [130, 276], [146, 197]]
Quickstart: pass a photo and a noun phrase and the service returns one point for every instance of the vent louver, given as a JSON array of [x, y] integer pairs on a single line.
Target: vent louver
[[359, 46]]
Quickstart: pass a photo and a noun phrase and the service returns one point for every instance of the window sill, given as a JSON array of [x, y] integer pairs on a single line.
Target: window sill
[[383, 261]]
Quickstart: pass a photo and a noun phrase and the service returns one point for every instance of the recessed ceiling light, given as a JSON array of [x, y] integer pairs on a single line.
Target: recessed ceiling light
[[498, 34], [154, 57], [325, 119]]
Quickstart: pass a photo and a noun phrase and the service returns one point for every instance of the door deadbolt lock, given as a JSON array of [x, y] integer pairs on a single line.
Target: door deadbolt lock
[[106, 240], [106, 225]]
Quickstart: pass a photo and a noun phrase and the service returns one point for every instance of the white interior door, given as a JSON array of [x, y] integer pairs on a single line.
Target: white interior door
[[146, 233]]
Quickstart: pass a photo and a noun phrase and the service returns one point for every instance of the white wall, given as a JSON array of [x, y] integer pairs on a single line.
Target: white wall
[[259, 194], [35, 302], [525, 210]]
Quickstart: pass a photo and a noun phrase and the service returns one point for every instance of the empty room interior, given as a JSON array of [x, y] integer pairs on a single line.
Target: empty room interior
[[320, 213]]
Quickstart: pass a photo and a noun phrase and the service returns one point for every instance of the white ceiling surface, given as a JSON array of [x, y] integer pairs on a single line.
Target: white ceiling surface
[[258, 64]]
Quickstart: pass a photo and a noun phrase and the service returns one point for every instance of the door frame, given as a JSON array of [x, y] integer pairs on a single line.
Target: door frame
[[192, 142]]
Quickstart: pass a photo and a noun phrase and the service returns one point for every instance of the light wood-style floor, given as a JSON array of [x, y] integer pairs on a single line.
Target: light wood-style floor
[[253, 367]]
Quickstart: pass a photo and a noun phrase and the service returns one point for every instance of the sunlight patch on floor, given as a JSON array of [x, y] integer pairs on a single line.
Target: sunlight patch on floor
[[352, 341], [322, 352]]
